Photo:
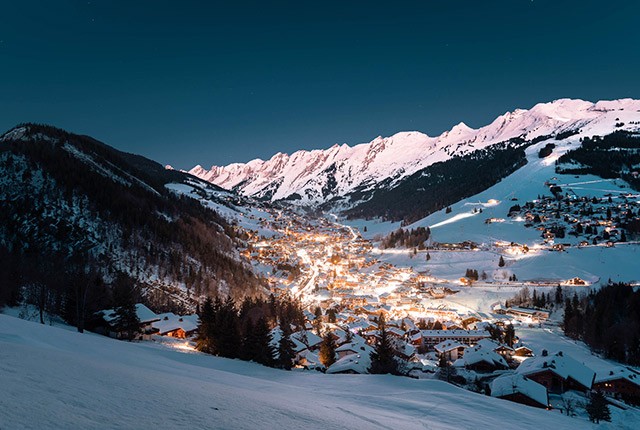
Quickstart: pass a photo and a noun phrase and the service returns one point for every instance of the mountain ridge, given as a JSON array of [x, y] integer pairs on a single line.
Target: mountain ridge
[[314, 177]]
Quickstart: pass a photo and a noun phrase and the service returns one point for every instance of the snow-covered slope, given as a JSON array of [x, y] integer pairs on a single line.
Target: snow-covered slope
[[57, 379], [465, 222], [317, 176]]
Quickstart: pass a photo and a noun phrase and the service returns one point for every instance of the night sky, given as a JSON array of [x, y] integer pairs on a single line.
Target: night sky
[[188, 83]]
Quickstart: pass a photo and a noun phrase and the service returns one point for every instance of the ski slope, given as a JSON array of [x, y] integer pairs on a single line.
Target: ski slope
[[526, 184], [58, 379]]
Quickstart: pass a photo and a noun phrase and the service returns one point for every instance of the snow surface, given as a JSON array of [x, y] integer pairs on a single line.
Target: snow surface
[[53, 378], [591, 263]]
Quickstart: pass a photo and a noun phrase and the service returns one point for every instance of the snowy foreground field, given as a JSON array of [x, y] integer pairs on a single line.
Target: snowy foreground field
[[55, 378]]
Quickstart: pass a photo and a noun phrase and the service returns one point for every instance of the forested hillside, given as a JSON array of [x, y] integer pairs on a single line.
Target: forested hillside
[[442, 184], [76, 214], [616, 155]]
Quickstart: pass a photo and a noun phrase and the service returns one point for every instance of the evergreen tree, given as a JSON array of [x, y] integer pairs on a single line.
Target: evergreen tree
[[383, 359], [501, 262], [327, 353], [509, 335], [126, 319], [568, 317], [559, 295], [248, 342], [286, 352], [204, 341], [597, 408], [227, 330], [263, 351]]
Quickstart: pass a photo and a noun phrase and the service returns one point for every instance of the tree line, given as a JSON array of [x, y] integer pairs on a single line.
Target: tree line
[[442, 184], [608, 320], [245, 331]]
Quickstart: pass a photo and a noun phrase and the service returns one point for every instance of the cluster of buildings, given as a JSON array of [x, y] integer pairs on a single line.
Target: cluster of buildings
[[539, 379], [588, 220]]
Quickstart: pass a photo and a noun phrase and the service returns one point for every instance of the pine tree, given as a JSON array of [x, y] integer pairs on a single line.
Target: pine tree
[[559, 295], [501, 262], [327, 353], [227, 330], [126, 319], [286, 352], [509, 335], [383, 359], [597, 408], [263, 351], [204, 341]]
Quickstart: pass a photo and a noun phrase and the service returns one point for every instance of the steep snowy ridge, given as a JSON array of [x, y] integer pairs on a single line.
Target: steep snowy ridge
[[317, 176]]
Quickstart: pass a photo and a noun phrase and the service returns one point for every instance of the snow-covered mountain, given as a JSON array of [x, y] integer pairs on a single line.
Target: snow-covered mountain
[[318, 176]]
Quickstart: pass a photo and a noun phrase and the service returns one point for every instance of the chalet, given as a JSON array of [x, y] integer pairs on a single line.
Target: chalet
[[106, 321], [503, 350], [558, 373], [481, 360], [353, 363], [172, 325], [357, 346], [523, 351], [499, 309], [622, 383], [307, 338], [451, 349], [430, 338], [533, 314], [520, 389]]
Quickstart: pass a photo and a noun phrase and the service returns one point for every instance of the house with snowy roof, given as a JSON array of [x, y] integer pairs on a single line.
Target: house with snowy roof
[[558, 372], [358, 345], [622, 383], [178, 326], [532, 314], [430, 338], [520, 389], [352, 363], [106, 319], [504, 350], [481, 360], [523, 351], [450, 349]]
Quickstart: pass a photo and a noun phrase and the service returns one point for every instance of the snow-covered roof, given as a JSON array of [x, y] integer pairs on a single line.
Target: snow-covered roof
[[396, 331], [492, 344], [170, 322], [479, 354], [455, 333], [306, 337], [145, 315], [448, 345], [560, 364], [357, 345], [619, 373], [358, 363], [506, 385]]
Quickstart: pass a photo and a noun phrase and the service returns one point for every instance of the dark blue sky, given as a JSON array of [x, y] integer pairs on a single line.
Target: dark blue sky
[[188, 83]]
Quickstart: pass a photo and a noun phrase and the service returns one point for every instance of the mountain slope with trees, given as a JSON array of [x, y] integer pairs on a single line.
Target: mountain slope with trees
[[78, 217]]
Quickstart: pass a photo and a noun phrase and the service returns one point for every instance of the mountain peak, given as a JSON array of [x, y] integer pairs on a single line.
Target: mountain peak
[[340, 170]]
